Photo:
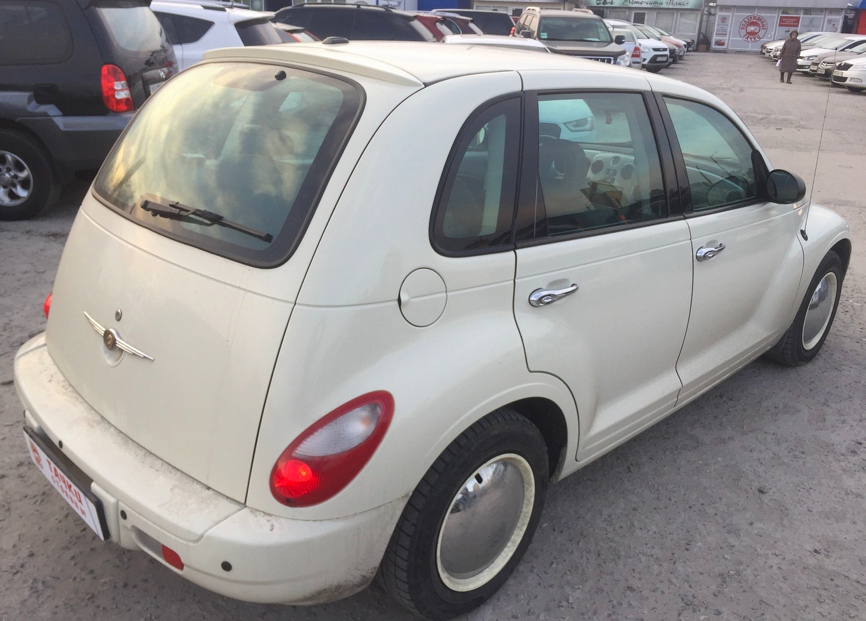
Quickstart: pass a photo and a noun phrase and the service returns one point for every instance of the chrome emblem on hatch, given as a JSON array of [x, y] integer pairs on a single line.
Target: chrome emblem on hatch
[[111, 339]]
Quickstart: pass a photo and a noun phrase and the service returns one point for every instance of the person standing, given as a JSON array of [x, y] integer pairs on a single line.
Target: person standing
[[788, 57]]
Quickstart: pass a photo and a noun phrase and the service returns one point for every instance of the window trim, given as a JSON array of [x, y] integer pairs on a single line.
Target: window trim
[[449, 168], [688, 209], [285, 251], [529, 178]]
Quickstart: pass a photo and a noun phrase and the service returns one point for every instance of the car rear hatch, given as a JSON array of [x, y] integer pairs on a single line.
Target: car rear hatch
[[168, 322], [131, 38]]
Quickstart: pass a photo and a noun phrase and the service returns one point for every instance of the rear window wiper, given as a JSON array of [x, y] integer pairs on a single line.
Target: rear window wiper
[[177, 210]]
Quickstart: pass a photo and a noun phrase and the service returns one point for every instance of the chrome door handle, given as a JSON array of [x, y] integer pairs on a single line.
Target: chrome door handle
[[705, 253], [543, 297]]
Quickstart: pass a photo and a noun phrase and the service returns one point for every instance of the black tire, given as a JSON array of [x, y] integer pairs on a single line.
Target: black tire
[[653, 69], [410, 571], [791, 350], [852, 89], [43, 187]]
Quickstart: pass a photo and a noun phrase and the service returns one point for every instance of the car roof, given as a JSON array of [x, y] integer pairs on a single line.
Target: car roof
[[418, 63], [357, 7], [565, 13]]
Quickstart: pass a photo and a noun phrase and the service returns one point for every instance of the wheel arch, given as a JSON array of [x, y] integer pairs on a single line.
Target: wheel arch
[[843, 249], [549, 418], [13, 126]]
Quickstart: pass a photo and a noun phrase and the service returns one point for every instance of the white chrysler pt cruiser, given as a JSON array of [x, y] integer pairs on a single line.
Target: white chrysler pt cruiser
[[345, 310]]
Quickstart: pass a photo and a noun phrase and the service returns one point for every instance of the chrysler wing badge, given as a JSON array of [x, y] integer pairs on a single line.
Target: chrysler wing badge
[[111, 339]]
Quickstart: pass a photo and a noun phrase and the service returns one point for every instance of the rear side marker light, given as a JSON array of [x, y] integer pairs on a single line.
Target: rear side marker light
[[172, 558], [115, 89], [332, 451], [46, 307]]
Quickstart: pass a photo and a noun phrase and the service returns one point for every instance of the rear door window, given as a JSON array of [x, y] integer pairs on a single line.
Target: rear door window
[[598, 165], [256, 149], [33, 32], [134, 29], [258, 33]]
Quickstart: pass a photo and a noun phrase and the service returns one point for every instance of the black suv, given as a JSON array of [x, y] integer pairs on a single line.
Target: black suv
[[72, 72], [356, 22], [577, 33]]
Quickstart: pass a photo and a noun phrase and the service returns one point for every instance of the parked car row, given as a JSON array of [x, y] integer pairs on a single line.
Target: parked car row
[[840, 58]]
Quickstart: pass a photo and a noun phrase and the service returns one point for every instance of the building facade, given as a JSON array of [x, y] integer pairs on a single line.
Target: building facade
[[677, 17], [743, 26]]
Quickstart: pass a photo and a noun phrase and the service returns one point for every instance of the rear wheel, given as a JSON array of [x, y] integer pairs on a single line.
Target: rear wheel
[[27, 184], [470, 519], [653, 69], [804, 339]]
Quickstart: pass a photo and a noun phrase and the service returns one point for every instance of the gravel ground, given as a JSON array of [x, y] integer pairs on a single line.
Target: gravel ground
[[747, 504]]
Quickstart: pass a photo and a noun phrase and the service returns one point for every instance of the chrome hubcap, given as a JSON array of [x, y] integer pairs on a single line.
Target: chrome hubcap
[[819, 311], [16, 182], [485, 523]]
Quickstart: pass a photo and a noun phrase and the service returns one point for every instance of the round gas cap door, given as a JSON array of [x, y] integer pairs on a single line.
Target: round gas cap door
[[422, 297]]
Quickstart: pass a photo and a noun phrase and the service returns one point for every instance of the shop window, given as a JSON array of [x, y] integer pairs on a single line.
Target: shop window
[[687, 22]]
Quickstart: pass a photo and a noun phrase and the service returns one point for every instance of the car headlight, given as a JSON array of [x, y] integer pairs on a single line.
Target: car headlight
[[623, 60]]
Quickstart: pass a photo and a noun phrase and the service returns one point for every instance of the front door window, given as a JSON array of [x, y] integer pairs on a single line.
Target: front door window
[[717, 156]]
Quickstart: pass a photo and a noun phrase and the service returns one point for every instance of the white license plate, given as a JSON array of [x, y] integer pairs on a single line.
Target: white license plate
[[155, 87], [838, 74], [72, 493]]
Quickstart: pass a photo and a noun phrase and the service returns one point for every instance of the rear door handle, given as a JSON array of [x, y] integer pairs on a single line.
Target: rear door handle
[[543, 297], [705, 253]]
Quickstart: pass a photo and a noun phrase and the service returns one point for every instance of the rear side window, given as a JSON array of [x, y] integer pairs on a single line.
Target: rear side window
[[257, 150], [477, 196], [191, 29], [258, 33], [33, 32], [331, 23], [373, 27], [492, 23], [134, 29]]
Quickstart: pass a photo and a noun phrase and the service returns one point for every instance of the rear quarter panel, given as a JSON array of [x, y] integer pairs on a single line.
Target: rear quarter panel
[[347, 335]]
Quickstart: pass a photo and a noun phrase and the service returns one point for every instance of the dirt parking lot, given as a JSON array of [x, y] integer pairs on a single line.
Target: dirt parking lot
[[747, 504]]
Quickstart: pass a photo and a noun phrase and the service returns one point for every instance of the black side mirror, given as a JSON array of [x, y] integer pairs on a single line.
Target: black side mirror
[[619, 39], [784, 187]]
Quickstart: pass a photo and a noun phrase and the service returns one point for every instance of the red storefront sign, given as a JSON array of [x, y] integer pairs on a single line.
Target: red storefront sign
[[789, 21]]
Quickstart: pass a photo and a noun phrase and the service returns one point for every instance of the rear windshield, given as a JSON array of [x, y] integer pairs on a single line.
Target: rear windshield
[[258, 33], [253, 144], [134, 29]]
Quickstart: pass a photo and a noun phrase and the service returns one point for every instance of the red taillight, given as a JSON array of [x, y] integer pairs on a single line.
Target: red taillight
[[512, 31], [635, 53], [330, 453], [115, 90], [172, 558], [46, 306]]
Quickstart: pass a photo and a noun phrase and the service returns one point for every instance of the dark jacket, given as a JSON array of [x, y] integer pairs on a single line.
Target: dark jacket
[[790, 52]]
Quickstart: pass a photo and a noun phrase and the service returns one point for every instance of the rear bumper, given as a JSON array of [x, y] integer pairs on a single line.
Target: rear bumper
[[148, 503], [78, 142]]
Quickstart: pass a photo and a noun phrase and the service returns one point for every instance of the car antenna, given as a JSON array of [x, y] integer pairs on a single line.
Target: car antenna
[[818, 155]]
